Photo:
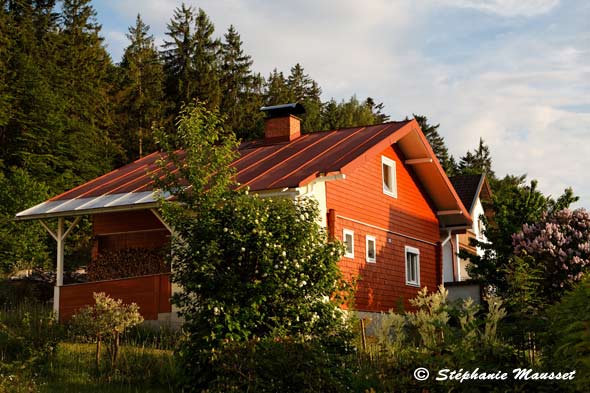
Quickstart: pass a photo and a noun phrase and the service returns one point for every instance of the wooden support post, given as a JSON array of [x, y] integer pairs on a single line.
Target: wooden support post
[[60, 237], [59, 277], [363, 335]]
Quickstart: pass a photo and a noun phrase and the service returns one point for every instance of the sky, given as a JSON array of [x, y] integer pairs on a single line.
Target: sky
[[514, 72]]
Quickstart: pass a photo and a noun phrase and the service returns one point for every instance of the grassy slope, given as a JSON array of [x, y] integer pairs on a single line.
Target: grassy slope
[[140, 369]]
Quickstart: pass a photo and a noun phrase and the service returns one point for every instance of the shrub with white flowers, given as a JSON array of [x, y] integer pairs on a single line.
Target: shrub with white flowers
[[254, 269], [249, 268]]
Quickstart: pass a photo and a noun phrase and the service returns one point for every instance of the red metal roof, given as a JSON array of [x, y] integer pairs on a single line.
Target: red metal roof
[[260, 166]]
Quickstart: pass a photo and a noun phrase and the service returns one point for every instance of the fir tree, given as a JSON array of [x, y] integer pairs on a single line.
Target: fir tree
[[437, 142], [143, 96], [480, 161], [377, 110], [85, 66], [276, 89], [178, 55], [303, 89], [206, 62], [241, 98]]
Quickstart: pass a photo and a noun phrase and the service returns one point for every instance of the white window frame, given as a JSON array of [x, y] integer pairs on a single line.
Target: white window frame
[[412, 250], [369, 238], [351, 233], [389, 189]]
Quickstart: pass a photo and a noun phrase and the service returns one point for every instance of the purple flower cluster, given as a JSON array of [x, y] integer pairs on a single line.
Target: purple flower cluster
[[561, 242]]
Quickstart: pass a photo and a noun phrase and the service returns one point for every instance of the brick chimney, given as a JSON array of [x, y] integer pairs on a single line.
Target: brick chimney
[[281, 124]]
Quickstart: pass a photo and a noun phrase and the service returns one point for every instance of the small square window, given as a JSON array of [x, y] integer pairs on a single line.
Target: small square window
[[348, 240], [389, 176], [371, 249], [412, 266]]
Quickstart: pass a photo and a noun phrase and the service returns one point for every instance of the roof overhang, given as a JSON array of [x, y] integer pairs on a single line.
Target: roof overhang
[[419, 155], [93, 205]]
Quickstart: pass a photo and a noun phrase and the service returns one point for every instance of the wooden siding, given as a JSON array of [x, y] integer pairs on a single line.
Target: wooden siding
[[130, 221], [150, 293], [408, 220], [133, 229]]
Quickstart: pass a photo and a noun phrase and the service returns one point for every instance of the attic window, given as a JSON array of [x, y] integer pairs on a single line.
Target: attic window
[[389, 177]]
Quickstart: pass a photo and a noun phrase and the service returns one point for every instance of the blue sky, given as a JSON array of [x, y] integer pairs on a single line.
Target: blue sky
[[515, 72]]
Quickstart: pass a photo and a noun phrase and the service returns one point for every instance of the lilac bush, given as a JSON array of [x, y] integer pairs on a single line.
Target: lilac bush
[[560, 243]]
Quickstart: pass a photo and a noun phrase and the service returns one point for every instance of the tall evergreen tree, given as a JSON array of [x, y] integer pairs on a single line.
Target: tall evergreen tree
[[276, 89], [241, 99], [206, 62], [437, 142], [178, 55], [377, 110], [85, 66], [143, 94], [480, 161], [6, 51], [35, 122], [350, 113], [303, 89]]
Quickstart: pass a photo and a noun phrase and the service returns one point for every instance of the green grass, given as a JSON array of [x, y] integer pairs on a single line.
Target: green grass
[[140, 369]]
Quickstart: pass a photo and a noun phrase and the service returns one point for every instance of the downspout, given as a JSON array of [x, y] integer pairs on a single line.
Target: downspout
[[332, 224]]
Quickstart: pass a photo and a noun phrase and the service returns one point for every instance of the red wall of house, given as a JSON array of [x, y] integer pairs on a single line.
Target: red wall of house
[[408, 220], [150, 293]]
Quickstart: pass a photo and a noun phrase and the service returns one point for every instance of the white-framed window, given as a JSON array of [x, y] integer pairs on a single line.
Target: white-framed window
[[388, 176], [348, 240], [371, 249], [412, 266]]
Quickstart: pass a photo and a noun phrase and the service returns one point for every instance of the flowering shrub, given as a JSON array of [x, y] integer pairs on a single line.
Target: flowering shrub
[[250, 269], [106, 320], [560, 243]]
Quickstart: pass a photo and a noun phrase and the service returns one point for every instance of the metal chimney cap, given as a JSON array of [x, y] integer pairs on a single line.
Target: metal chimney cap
[[283, 110]]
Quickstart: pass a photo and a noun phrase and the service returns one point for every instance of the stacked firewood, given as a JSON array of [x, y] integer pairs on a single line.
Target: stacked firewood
[[130, 262]]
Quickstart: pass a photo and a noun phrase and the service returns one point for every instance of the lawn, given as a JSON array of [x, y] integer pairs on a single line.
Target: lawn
[[72, 369]]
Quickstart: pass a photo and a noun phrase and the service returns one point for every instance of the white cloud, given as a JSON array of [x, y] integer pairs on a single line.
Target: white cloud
[[512, 89], [506, 8]]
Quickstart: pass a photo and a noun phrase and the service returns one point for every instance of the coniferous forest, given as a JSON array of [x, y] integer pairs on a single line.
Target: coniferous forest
[[69, 113]]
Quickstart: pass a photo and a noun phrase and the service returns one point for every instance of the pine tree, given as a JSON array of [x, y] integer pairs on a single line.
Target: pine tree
[[178, 55], [6, 51], [276, 90], [437, 142], [303, 89], [143, 95], [480, 161], [351, 113], [32, 127], [206, 62], [242, 98], [377, 110], [85, 66]]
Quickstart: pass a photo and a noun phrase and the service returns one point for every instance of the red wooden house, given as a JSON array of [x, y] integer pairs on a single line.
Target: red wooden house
[[380, 189]]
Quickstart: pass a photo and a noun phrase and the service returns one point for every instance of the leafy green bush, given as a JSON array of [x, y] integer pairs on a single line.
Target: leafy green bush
[[279, 366], [567, 342], [29, 334], [441, 335]]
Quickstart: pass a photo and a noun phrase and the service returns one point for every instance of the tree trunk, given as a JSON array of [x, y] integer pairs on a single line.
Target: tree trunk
[[98, 342], [115, 349]]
